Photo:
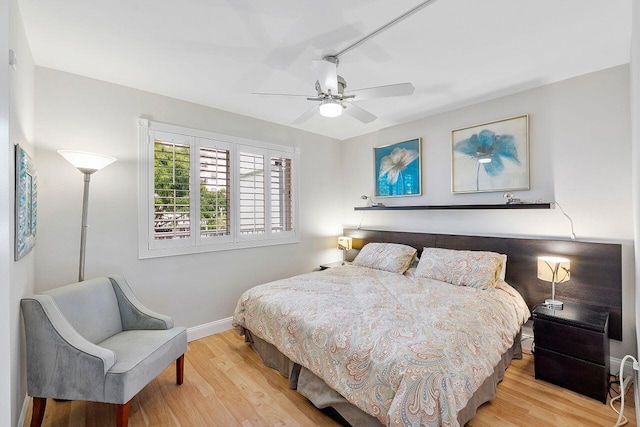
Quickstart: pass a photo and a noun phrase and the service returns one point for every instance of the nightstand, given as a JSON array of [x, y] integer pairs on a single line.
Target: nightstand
[[572, 348], [333, 264]]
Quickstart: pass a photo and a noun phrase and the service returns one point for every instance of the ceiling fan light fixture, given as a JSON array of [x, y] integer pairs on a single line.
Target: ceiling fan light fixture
[[330, 109]]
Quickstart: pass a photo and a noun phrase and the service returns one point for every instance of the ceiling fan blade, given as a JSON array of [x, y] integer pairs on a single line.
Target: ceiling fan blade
[[279, 94], [400, 89], [327, 74], [306, 115], [359, 113]]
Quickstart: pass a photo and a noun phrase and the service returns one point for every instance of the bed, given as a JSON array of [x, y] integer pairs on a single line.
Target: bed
[[384, 342]]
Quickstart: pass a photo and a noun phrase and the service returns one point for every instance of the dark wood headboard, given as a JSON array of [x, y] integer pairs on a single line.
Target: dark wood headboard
[[596, 268]]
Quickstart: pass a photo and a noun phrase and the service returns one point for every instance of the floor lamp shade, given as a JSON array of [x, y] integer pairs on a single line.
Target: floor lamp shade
[[87, 163]]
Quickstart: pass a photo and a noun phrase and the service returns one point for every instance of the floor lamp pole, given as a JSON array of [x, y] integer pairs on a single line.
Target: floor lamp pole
[[83, 230]]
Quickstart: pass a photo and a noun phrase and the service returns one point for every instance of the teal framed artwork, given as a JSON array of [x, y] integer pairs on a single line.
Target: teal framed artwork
[[26, 203], [491, 156], [398, 169]]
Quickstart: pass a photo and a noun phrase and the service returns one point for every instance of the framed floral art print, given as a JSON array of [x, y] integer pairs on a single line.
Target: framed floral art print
[[26, 204], [397, 169], [492, 156]]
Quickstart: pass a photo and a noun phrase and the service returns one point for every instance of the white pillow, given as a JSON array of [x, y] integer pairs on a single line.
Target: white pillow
[[503, 270], [391, 257], [476, 269]]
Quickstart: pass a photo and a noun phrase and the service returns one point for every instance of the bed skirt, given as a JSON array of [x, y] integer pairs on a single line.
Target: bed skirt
[[322, 396]]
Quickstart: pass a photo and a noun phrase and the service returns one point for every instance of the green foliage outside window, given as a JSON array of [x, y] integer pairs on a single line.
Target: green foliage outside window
[[171, 190]]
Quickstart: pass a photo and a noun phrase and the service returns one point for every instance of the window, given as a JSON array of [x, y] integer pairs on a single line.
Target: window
[[202, 192]]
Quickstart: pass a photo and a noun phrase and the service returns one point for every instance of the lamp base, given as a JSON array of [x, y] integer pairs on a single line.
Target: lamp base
[[553, 304]]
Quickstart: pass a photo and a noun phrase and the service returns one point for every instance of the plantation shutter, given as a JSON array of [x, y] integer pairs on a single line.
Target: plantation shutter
[[171, 189], [203, 192], [251, 193], [215, 191], [281, 184]]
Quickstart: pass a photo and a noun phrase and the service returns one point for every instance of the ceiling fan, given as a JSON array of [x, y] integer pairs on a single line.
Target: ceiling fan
[[332, 97]]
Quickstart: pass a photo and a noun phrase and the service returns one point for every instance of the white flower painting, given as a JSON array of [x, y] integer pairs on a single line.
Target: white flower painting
[[398, 169]]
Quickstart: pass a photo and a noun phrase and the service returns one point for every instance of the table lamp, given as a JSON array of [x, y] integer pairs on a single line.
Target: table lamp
[[555, 270], [345, 244]]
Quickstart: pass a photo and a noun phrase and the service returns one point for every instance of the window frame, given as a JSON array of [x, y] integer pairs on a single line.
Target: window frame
[[149, 247]]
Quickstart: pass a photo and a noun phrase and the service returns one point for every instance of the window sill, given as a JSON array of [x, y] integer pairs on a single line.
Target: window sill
[[145, 253]]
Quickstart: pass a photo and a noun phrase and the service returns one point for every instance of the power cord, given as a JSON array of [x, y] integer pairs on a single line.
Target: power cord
[[573, 234], [614, 385], [524, 338], [624, 386]]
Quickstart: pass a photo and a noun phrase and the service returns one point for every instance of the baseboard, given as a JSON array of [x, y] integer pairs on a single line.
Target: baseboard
[[614, 366], [23, 411], [202, 331]]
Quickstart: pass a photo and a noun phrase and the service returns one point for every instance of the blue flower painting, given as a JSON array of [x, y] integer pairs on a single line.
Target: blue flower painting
[[398, 169], [491, 157]]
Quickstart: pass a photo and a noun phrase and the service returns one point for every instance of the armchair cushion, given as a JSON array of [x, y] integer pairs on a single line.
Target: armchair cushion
[[140, 356], [91, 307]]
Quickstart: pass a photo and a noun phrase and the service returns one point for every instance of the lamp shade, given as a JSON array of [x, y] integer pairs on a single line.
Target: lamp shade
[[554, 269], [345, 243], [86, 162]]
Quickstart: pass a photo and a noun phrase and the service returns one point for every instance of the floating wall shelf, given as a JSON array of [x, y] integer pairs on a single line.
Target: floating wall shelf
[[457, 207]]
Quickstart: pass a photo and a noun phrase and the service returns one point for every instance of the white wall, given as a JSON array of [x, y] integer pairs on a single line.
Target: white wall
[[635, 134], [21, 279], [5, 218], [580, 156], [75, 112]]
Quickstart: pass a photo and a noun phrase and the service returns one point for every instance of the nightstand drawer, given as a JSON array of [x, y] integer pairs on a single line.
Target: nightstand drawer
[[588, 345], [583, 377]]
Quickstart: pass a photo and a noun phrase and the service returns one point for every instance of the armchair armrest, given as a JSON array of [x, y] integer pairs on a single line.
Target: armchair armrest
[[50, 313], [133, 313], [56, 350]]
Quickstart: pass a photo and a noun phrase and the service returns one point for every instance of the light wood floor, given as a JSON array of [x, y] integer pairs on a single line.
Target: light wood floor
[[227, 385]]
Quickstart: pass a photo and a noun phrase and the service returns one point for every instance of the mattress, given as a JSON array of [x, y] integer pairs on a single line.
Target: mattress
[[405, 350]]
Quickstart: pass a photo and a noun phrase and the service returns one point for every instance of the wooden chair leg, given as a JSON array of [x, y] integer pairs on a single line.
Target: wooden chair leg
[[180, 370], [122, 414], [37, 414]]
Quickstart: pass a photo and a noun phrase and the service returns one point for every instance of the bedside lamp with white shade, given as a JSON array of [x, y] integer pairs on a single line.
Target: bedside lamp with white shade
[[555, 270], [345, 244]]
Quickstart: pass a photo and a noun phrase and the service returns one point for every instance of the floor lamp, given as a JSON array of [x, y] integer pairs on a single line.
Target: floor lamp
[[87, 163]]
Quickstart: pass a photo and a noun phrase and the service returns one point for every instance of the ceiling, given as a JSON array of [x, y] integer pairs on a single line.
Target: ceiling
[[216, 53]]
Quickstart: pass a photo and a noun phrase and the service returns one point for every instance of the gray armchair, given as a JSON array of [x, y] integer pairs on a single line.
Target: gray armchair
[[94, 340]]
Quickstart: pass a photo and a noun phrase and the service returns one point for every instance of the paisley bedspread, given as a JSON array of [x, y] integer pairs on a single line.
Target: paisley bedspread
[[409, 351]]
